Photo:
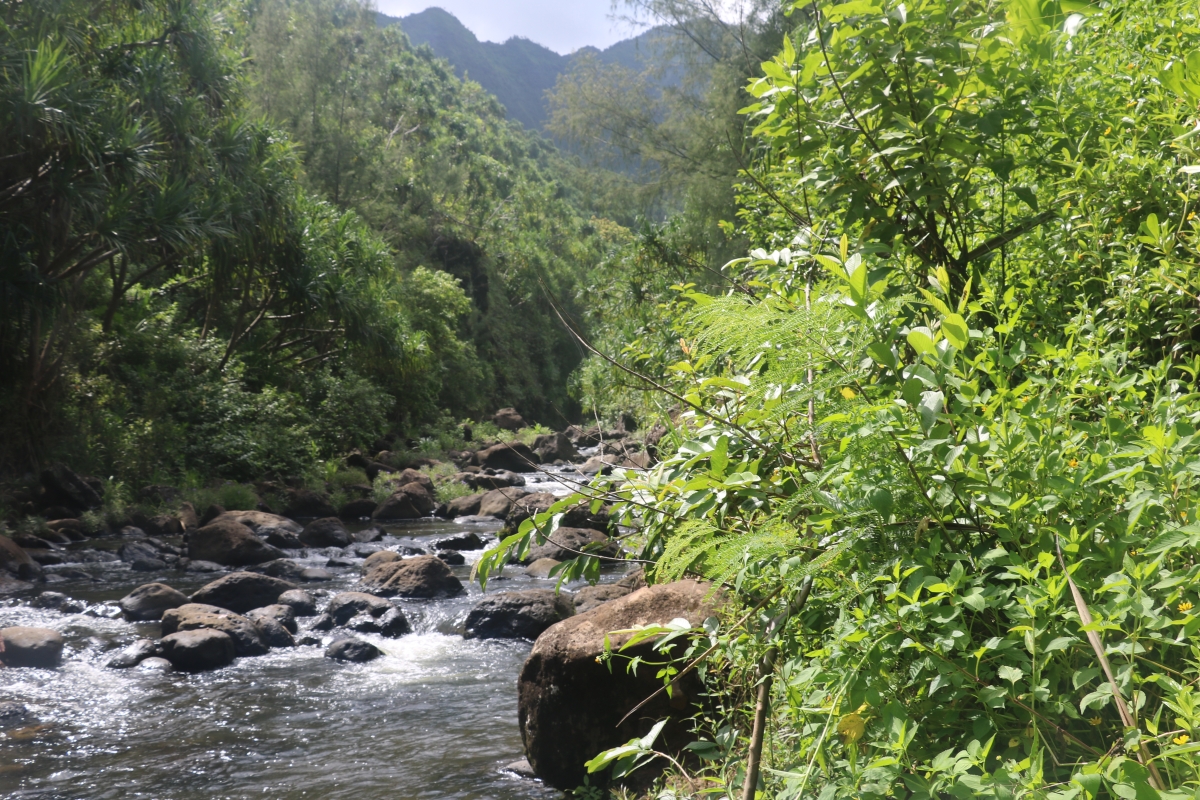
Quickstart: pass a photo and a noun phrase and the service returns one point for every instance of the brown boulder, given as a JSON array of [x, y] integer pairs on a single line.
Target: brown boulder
[[240, 592], [421, 498], [14, 559], [513, 456], [397, 507], [64, 487], [568, 543], [326, 532], [224, 541], [307, 504], [358, 509], [30, 647], [570, 704], [423, 576], [499, 502], [517, 615], [507, 419], [198, 650], [150, 601], [554, 447], [463, 506], [197, 616]]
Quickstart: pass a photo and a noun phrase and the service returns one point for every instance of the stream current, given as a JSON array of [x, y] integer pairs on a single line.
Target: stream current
[[435, 717]]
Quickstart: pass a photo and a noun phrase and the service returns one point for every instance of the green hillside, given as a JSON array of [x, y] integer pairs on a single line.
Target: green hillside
[[518, 72]]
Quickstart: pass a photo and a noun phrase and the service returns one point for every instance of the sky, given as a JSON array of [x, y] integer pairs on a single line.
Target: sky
[[562, 25]]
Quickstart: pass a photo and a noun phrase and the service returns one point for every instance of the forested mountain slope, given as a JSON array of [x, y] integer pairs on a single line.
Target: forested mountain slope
[[518, 72], [240, 237]]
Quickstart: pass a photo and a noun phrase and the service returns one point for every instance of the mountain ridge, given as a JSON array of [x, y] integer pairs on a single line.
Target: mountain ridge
[[518, 71]]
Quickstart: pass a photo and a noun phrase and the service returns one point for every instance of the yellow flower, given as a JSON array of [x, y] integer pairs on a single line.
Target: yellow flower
[[1181, 739], [1074, 462], [1095, 720], [1184, 607], [1108, 130], [848, 393]]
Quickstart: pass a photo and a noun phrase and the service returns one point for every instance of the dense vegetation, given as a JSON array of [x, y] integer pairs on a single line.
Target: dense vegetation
[[241, 237], [952, 383]]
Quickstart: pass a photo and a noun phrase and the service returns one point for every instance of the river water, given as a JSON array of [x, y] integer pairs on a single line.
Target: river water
[[435, 717]]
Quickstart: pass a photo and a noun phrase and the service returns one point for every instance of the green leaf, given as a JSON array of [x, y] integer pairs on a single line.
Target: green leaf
[[957, 333], [922, 340]]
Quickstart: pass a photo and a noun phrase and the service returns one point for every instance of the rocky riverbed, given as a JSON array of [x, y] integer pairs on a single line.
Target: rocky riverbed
[[329, 652], [435, 715]]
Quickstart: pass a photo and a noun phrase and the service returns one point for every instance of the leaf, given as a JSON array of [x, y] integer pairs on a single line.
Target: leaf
[[921, 339], [851, 728], [1010, 674], [955, 328]]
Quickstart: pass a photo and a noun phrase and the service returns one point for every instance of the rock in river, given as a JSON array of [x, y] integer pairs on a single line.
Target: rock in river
[[149, 601], [134, 654], [353, 650], [326, 532], [198, 650], [423, 576], [517, 615], [364, 613], [196, 616], [242, 591], [569, 703], [225, 541], [300, 601], [30, 647], [567, 543]]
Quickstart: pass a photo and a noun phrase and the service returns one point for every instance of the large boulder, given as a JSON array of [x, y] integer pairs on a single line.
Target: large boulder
[[517, 615], [460, 541], [282, 568], [142, 557], [407, 477], [421, 498], [30, 647], [307, 504], [353, 650], [198, 650], [508, 419], [364, 613], [357, 509], [240, 592], [65, 488], [465, 506], [499, 502], [135, 654], [528, 506], [270, 622], [554, 447], [300, 602], [224, 541], [570, 703], [284, 614], [599, 465], [590, 597], [513, 456], [149, 601], [197, 616], [15, 560], [567, 543], [421, 577], [399, 506], [262, 523], [326, 532], [492, 479]]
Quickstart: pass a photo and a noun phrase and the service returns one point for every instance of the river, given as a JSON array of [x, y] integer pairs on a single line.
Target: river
[[435, 717]]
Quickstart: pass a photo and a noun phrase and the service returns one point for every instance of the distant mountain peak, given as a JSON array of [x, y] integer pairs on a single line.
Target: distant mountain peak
[[518, 72]]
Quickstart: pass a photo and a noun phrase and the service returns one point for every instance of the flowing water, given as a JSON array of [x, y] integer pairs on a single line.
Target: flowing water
[[435, 717]]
